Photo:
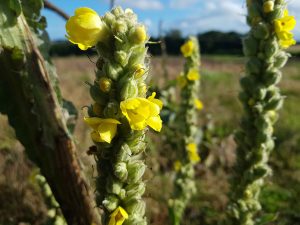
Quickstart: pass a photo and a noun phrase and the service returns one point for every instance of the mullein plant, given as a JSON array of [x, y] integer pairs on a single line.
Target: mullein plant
[[189, 82], [121, 113], [264, 48]]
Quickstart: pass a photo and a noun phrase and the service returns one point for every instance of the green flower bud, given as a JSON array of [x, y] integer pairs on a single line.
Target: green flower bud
[[250, 46], [120, 171], [120, 27], [271, 48], [272, 77], [135, 191], [136, 170], [135, 207], [261, 31], [280, 59], [121, 57], [253, 66], [129, 90], [97, 95], [111, 110], [113, 70], [113, 186], [117, 11], [105, 84], [111, 202], [124, 153], [109, 18]]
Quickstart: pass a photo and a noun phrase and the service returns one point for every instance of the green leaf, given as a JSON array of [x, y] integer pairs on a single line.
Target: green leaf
[[266, 219]]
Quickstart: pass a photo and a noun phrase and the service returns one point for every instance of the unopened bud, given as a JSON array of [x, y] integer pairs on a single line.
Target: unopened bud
[[97, 109], [268, 6], [135, 171], [138, 35], [120, 171], [129, 90], [111, 202], [105, 84]]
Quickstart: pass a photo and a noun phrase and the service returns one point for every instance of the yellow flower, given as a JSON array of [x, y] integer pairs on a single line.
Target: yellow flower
[[118, 216], [181, 80], [198, 104], [193, 74], [104, 130], [177, 165], [187, 48], [85, 28], [283, 28], [139, 71], [192, 152], [141, 112]]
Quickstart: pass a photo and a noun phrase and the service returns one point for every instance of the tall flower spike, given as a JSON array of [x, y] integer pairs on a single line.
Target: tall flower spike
[[120, 112], [187, 124], [261, 98]]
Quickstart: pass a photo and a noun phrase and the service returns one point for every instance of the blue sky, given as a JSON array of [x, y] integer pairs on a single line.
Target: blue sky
[[190, 16]]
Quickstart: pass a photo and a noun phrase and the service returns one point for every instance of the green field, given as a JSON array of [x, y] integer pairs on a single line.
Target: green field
[[219, 93]]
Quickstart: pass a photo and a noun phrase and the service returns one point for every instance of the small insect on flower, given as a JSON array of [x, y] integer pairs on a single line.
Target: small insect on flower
[[86, 28], [104, 130], [283, 28], [118, 216], [192, 152], [141, 112], [193, 75], [187, 48]]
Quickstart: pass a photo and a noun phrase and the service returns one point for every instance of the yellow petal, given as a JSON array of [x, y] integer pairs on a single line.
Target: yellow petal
[[187, 48], [83, 10], [118, 216], [198, 104], [155, 123], [107, 131], [155, 101], [193, 75]]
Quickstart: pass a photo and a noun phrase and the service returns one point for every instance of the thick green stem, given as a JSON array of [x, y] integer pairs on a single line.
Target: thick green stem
[[261, 99], [187, 124]]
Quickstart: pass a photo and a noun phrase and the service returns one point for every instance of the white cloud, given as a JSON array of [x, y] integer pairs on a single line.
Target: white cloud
[[227, 15], [181, 4], [141, 4]]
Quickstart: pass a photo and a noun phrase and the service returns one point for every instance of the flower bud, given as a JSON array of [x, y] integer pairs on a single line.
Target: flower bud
[[253, 66], [280, 59], [121, 57], [268, 6], [105, 84], [111, 202], [97, 95], [271, 48], [120, 171], [113, 70], [124, 153], [135, 207], [261, 31], [135, 171], [97, 109], [113, 186], [272, 77], [111, 110], [109, 18], [120, 27], [117, 11], [129, 90], [142, 87], [135, 191], [138, 35], [250, 46]]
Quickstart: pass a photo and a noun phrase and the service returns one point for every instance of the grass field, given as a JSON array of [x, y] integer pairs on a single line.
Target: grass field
[[219, 91]]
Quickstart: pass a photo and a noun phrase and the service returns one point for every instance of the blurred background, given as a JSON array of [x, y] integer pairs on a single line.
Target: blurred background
[[219, 25]]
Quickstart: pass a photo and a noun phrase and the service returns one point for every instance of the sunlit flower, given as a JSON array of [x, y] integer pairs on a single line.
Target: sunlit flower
[[268, 6], [187, 48], [141, 112], [192, 152], [104, 130], [283, 28], [198, 104], [85, 28], [193, 75], [118, 216]]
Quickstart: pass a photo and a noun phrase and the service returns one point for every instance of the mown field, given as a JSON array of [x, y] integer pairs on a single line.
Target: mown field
[[21, 200]]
